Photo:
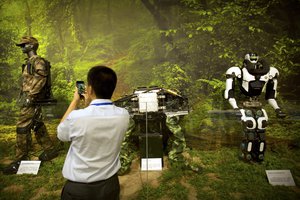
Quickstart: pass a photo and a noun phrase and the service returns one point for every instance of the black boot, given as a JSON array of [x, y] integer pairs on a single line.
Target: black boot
[[13, 167], [48, 154]]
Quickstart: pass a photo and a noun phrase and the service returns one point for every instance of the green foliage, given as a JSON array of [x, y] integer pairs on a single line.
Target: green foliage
[[170, 75], [277, 127], [8, 112], [198, 116], [169, 44], [283, 55], [211, 100], [215, 90]]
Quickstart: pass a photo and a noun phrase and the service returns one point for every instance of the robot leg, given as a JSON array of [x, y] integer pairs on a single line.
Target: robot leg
[[248, 142], [261, 145], [262, 119], [248, 145]]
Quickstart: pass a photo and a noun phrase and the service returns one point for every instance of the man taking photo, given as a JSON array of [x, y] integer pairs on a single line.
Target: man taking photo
[[96, 133]]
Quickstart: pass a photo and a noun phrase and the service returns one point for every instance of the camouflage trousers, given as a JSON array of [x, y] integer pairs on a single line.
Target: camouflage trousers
[[30, 119], [128, 148], [177, 143]]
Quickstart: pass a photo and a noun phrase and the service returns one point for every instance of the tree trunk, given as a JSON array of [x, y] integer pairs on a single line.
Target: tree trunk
[[162, 23], [28, 18]]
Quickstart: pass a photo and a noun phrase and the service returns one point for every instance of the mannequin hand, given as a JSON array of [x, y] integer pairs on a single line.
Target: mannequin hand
[[27, 102]]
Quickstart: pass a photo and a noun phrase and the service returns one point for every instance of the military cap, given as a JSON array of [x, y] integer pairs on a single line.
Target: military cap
[[28, 40]]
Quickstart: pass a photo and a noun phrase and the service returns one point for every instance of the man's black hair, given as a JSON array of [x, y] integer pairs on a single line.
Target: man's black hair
[[103, 81]]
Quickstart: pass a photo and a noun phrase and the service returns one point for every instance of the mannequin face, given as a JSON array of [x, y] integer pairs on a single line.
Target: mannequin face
[[26, 48]]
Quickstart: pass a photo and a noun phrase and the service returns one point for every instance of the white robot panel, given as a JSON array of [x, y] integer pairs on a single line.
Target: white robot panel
[[255, 82], [231, 74]]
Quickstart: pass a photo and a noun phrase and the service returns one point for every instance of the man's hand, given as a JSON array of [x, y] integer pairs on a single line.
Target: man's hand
[[280, 113], [87, 99]]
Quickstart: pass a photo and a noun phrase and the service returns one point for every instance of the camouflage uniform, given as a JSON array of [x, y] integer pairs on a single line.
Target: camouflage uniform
[[34, 77], [128, 148], [34, 90], [177, 143], [178, 140]]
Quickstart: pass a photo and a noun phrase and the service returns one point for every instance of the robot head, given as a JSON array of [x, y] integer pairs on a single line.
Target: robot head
[[28, 43], [255, 66], [252, 57]]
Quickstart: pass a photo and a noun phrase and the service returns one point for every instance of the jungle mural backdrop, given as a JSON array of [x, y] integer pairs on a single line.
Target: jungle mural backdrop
[[184, 45]]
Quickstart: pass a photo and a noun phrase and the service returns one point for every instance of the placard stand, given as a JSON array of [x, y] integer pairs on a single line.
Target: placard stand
[[151, 164], [151, 146], [280, 177], [29, 167]]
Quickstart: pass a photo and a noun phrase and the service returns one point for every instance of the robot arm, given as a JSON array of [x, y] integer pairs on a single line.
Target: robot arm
[[231, 74], [271, 90], [273, 103]]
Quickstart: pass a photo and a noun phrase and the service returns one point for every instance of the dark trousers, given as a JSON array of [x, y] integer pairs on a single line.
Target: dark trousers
[[105, 189]]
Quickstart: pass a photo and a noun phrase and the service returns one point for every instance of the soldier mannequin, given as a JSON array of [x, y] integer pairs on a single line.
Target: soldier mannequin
[[34, 77]]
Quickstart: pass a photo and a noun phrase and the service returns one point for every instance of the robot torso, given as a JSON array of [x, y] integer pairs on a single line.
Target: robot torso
[[252, 78], [253, 84]]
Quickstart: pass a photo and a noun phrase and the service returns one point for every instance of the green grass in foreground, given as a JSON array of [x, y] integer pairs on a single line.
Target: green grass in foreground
[[226, 177], [223, 176]]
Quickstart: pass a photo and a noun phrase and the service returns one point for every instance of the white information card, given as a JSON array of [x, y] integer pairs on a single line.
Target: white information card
[[29, 167], [151, 164], [280, 177]]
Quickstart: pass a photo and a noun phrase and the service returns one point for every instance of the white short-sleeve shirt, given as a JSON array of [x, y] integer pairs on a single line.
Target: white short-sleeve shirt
[[96, 134]]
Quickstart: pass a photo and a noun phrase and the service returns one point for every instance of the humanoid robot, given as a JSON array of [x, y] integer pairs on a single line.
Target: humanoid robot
[[253, 78]]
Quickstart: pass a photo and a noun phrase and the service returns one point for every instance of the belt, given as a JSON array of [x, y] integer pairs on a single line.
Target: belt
[[93, 183]]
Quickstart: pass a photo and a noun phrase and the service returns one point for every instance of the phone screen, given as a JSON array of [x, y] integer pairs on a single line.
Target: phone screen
[[81, 87]]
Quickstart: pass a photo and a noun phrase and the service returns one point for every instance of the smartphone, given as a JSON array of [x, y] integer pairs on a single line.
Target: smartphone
[[80, 87]]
